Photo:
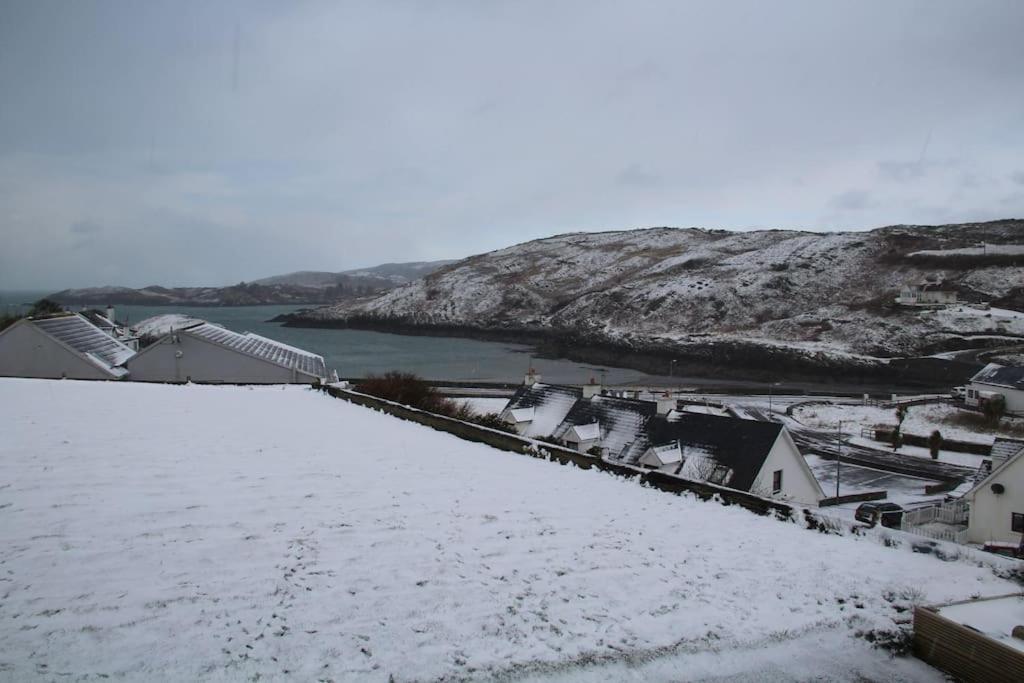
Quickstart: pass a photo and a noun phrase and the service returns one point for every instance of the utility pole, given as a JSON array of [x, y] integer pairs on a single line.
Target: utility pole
[[839, 455]]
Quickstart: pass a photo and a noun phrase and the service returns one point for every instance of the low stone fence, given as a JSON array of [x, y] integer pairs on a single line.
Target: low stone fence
[[967, 654], [517, 444], [853, 498]]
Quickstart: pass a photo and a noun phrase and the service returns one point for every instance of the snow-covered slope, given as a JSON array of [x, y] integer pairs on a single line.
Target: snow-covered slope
[[817, 292], [234, 533]]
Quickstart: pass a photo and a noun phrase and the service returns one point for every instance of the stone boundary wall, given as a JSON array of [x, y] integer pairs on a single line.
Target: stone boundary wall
[[538, 449]]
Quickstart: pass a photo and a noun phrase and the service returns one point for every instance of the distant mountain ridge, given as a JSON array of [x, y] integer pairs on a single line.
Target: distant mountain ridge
[[717, 294], [302, 287]]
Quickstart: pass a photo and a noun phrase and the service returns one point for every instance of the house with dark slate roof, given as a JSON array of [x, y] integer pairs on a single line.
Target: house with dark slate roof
[[616, 426], [211, 354], [61, 346], [998, 380], [747, 455], [536, 410]]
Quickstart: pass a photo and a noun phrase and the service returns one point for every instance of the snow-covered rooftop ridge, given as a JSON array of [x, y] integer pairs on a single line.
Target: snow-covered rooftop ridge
[[1001, 375], [262, 347], [159, 325], [589, 432], [86, 339]]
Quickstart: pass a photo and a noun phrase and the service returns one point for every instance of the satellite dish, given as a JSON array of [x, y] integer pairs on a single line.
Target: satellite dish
[[998, 488]]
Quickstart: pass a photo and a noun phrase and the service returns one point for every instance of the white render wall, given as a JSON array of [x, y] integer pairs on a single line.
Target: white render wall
[[990, 512], [1014, 397], [205, 362], [798, 482], [25, 351]]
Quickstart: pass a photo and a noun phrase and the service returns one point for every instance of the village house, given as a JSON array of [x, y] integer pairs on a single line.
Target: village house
[[61, 346], [107, 323], [996, 380], [536, 410], [927, 293], [997, 501], [209, 353], [617, 427], [747, 455]]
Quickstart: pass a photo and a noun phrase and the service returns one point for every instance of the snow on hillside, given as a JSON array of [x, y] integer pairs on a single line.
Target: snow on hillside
[[235, 533], [815, 294], [1011, 249]]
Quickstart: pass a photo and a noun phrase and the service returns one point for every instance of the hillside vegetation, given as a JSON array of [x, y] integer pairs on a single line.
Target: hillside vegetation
[[672, 290]]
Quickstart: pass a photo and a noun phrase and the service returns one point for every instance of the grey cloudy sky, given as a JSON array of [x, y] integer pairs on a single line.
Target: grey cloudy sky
[[188, 143]]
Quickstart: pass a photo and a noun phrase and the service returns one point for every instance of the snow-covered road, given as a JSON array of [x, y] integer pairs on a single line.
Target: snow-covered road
[[174, 533]]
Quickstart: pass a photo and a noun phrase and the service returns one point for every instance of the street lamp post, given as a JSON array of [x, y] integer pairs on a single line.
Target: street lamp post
[[839, 455]]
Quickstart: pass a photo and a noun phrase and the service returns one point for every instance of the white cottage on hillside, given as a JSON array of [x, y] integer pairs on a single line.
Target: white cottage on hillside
[[927, 293], [211, 354], [997, 501], [747, 455], [998, 380], [61, 346]]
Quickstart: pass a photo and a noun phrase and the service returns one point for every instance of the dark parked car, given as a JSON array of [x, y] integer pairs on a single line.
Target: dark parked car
[[890, 514]]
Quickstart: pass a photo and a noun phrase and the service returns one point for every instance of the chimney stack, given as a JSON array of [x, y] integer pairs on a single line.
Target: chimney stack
[[532, 377], [110, 313], [591, 389]]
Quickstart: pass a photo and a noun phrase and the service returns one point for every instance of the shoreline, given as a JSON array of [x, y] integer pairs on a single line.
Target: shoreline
[[728, 362]]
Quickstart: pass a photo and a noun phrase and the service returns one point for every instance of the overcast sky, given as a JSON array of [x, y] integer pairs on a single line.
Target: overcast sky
[[187, 143]]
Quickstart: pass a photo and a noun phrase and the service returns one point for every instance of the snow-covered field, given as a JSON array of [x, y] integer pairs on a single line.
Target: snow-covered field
[[920, 420], [155, 532]]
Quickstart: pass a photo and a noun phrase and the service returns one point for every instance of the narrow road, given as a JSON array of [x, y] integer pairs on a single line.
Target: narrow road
[[824, 445]]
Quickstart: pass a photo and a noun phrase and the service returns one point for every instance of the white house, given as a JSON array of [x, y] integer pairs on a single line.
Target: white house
[[208, 353], [662, 457], [997, 501], [998, 380], [748, 455], [583, 437], [536, 410], [58, 346], [927, 293]]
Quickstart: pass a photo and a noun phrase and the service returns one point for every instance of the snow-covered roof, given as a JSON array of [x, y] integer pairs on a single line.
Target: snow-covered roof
[[1007, 376], [1004, 449], [262, 347], [623, 424], [590, 432], [86, 339], [997, 470], [522, 414], [736, 449], [159, 325], [550, 404], [667, 454]]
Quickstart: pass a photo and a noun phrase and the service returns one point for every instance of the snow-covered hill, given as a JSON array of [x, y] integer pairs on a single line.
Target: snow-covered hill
[[302, 287], [672, 289]]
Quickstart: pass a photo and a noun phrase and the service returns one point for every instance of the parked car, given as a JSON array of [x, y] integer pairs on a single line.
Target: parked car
[[889, 514], [958, 392]]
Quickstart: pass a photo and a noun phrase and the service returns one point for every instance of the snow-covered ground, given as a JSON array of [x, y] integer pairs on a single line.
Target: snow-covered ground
[[1007, 249], [920, 420], [187, 532], [902, 489]]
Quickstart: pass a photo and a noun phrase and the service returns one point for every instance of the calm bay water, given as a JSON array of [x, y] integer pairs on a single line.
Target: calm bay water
[[356, 353]]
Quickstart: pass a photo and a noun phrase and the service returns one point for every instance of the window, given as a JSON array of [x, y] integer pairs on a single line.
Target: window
[[1017, 522], [776, 481]]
